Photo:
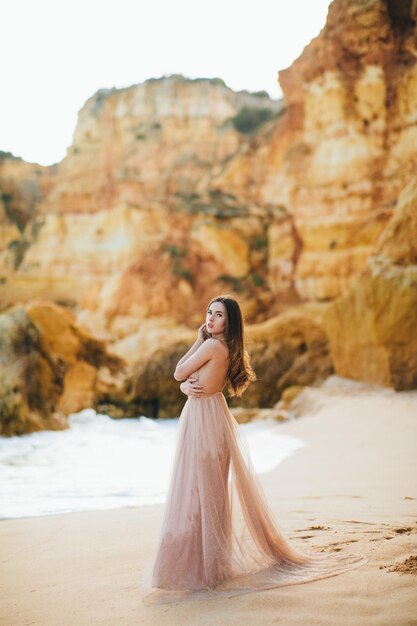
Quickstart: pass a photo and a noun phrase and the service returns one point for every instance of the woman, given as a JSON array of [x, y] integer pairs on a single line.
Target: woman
[[213, 543]]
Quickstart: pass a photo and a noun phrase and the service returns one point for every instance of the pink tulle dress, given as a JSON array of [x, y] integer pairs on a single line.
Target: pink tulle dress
[[219, 536]]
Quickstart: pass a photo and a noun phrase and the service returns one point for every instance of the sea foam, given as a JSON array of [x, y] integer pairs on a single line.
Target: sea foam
[[103, 463]]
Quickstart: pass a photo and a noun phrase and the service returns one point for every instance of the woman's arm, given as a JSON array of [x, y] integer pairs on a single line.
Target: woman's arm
[[204, 353], [197, 343], [202, 336]]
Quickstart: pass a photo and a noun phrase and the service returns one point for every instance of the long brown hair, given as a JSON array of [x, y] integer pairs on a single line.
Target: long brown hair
[[240, 373]]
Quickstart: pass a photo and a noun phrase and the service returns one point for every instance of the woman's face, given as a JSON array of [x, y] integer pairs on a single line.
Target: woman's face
[[216, 318]]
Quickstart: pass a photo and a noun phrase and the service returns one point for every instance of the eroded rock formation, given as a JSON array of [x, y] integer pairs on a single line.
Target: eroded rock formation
[[164, 196], [344, 148], [49, 367], [175, 190], [128, 223], [373, 329], [31, 383]]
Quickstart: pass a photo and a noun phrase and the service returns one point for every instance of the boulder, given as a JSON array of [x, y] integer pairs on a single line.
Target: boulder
[[49, 368], [31, 381]]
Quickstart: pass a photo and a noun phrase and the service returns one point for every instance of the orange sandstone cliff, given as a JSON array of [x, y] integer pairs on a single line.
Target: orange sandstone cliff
[[128, 225], [174, 190], [168, 193], [343, 150]]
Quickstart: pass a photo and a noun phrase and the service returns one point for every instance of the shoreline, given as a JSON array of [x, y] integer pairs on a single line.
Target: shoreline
[[103, 464], [353, 487]]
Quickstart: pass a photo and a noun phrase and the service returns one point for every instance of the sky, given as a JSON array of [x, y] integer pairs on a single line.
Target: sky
[[57, 53]]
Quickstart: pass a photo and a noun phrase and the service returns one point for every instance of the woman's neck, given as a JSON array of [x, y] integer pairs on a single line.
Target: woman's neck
[[219, 336]]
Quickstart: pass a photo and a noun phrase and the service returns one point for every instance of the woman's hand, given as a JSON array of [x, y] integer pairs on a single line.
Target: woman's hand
[[191, 387], [203, 333]]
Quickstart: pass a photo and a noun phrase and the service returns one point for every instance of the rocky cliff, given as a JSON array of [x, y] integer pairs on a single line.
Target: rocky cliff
[[343, 150], [128, 224], [175, 189], [373, 328]]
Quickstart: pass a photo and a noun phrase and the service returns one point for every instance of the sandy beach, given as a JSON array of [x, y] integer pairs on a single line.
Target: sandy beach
[[353, 487]]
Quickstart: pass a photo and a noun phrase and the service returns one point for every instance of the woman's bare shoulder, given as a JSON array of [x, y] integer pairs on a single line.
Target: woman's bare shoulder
[[218, 345]]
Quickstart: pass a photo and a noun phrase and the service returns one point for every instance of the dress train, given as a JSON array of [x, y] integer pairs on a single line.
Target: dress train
[[211, 543]]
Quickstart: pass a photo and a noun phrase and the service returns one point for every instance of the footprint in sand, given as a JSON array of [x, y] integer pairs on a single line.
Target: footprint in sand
[[403, 530], [409, 566], [407, 530], [336, 546], [301, 530]]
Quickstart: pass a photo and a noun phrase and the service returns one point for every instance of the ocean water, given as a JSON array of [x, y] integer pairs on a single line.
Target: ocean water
[[102, 463]]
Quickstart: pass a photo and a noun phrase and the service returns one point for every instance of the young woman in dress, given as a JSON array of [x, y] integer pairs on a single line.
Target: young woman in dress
[[219, 536]]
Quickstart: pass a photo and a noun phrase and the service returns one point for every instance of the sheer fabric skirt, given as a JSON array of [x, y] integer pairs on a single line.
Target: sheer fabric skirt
[[219, 536]]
